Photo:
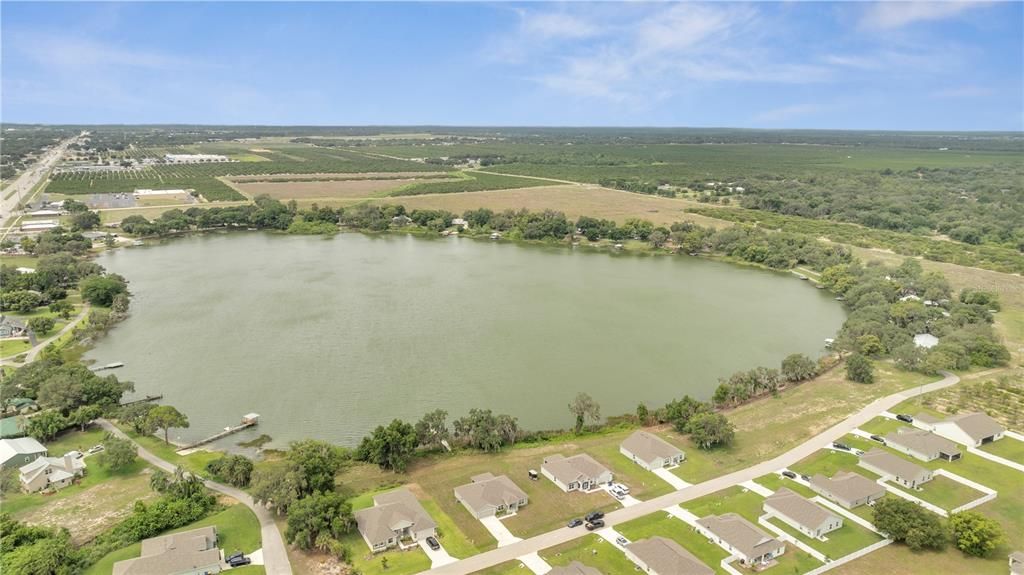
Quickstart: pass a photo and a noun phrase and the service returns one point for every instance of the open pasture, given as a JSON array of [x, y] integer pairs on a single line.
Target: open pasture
[[323, 188]]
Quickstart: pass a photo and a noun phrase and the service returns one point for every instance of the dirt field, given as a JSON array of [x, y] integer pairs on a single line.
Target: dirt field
[[93, 511], [342, 189], [575, 201]]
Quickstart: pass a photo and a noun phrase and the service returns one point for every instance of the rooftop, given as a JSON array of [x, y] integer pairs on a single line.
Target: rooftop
[[486, 491], [977, 425], [797, 508], [922, 441], [894, 464], [575, 468], [666, 556], [847, 485], [741, 534], [392, 511], [649, 447], [574, 568]]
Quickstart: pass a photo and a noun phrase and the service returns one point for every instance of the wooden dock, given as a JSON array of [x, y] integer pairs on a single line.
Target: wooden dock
[[143, 400], [249, 420]]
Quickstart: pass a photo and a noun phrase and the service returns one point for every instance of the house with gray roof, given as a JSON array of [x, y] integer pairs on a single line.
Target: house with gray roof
[[895, 468], [970, 429], [847, 488], [580, 472], [12, 327], [574, 568], [488, 495], [50, 473], [922, 444], [16, 452], [650, 451], [396, 516], [801, 514], [1017, 563], [662, 556], [194, 552], [741, 538]]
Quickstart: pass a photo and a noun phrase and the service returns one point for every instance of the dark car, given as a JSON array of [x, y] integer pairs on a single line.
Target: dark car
[[433, 544], [805, 478], [595, 524], [233, 557], [240, 561], [842, 446], [789, 474], [576, 522], [594, 515], [878, 438], [904, 417]]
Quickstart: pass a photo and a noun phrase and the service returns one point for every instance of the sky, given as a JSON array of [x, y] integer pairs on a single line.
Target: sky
[[848, 65]]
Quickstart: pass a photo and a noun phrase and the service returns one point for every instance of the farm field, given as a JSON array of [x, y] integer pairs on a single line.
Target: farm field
[[324, 188]]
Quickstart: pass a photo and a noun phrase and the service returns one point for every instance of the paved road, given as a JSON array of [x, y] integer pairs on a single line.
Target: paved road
[[20, 188], [543, 541], [275, 557], [31, 354]]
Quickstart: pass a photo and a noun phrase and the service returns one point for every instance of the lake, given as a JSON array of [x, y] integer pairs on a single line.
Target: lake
[[329, 337]]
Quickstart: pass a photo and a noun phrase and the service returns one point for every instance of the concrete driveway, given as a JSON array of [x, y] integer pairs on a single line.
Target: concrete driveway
[[437, 558], [671, 478], [627, 501], [499, 531]]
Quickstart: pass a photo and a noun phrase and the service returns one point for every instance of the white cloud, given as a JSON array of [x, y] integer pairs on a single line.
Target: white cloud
[[548, 25], [77, 53], [889, 15]]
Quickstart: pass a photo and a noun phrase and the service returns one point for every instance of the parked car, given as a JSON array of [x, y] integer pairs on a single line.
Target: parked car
[[595, 524], [622, 540], [96, 449], [621, 488], [789, 474], [593, 515], [618, 494], [878, 438], [243, 560], [433, 544], [905, 418], [805, 477], [576, 522], [233, 556], [842, 446]]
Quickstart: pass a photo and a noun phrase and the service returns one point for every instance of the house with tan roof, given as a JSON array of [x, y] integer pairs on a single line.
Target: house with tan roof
[[801, 514], [577, 473], [192, 552], [895, 468], [650, 451], [487, 495], [574, 568], [741, 538], [922, 444], [971, 429], [662, 556], [50, 473], [847, 488], [396, 516]]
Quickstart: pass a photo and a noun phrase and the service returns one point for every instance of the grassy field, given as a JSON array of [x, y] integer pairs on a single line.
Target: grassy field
[[589, 550], [944, 492], [360, 188], [9, 347], [1008, 448], [194, 462], [237, 529]]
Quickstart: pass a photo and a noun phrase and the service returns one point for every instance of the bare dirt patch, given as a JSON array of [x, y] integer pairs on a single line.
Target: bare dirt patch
[[356, 188], [91, 512]]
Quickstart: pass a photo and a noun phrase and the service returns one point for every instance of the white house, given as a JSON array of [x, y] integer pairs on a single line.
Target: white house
[[396, 516], [650, 451], [801, 514], [577, 473], [50, 473], [895, 468], [741, 538], [971, 429]]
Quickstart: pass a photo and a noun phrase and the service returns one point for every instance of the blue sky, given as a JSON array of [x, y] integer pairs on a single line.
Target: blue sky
[[942, 66]]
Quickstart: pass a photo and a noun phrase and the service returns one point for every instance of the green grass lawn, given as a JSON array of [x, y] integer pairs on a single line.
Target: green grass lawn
[[1007, 448], [882, 426], [514, 567], [944, 492], [642, 484], [237, 529], [843, 541], [592, 551], [449, 534], [735, 499], [673, 528], [828, 463], [194, 462], [774, 482], [398, 562], [9, 347]]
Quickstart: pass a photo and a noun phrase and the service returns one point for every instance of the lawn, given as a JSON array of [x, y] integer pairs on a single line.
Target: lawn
[[9, 347], [672, 527], [843, 541], [944, 492], [514, 567], [828, 463], [735, 499], [450, 535], [398, 562], [1007, 448], [590, 550], [882, 426], [194, 462], [237, 529]]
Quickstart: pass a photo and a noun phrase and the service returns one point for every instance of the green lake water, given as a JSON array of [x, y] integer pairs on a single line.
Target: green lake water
[[330, 337]]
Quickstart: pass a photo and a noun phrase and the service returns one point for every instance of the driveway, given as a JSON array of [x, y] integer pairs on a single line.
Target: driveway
[[437, 558], [275, 557], [671, 478], [499, 531], [627, 501], [534, 563]]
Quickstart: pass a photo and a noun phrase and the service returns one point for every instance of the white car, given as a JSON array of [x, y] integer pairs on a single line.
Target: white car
[[621, 488], [618, 495], [96, 449], [74, 454]]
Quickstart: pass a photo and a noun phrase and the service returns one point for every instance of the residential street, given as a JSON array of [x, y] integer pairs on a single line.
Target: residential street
[[564, 534], [31, 354], [20, 188], [275, 557]]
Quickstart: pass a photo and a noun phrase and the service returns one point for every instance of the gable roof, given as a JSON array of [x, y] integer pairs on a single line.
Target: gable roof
[[487, 491], [847, 485], [392, 511], [575, 468], [649, 447], [894, 464], [741, 534], [922, 441], [795, 507], [574, 568], [977, 425], [667, 557], [174, 553], [57, 465], [20, 446]]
